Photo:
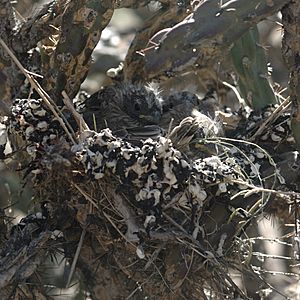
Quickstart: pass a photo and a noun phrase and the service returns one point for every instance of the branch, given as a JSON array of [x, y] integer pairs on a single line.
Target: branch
[[134, 61], [19, 258], [140, 3], [82, 25], [7, 20], [291, 54], [7, 24], [131, 3], [5, 91], [39, 26], [205, 35]]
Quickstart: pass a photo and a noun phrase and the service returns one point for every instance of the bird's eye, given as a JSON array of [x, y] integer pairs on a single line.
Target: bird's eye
[[137, 107]]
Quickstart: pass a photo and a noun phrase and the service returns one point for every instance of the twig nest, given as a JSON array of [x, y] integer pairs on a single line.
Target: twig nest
[[277, 131], [155, 174]]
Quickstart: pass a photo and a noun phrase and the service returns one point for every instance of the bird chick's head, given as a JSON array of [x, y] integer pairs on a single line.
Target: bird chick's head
[[142, 103], [179, 98]]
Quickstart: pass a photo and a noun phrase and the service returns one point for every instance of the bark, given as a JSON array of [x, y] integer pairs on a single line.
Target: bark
[[131, 3], [291, 54], [205, 35], [164, 18], [43, 24], [82, 24], [7, 25]]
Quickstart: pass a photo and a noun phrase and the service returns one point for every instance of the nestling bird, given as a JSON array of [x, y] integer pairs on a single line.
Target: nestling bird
[[137, 112], [176, 107], [180, 105], [189, 119], [123, 106]]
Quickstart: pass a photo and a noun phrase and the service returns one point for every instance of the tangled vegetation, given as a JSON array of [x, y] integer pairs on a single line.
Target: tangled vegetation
[[170, 210]]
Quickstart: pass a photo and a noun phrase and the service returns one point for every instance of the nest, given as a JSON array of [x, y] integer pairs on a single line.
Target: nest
[[155, 216]]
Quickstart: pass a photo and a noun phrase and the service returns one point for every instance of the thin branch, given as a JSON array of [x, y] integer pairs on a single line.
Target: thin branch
[[76, 256], [272, 118], [46, 98], [78, 118]]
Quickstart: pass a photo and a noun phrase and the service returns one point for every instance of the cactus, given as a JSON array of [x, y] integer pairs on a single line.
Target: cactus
[[205, 35], [133, 69], [250, 64], [291, 53], [7, 24], [82, 24]]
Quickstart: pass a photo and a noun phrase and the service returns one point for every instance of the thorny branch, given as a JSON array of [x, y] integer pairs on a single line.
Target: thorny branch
[[134, 61], [205, 35], [81, 28], [41, 25], [291, 54]]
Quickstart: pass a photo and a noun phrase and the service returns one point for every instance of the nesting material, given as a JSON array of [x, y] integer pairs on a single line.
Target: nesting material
[[148, 193]]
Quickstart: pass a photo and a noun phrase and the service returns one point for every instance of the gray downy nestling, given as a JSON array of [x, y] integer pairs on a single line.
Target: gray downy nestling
[[188, 119], [123, 106]]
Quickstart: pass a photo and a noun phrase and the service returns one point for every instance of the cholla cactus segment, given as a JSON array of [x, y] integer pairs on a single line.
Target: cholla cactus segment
[[249, 60], [81, 21], [277, 135], [156, 172], [3, 139], [35, 124], [208, 32]]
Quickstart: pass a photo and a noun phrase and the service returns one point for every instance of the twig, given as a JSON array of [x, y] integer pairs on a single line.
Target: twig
[[154, 256], [259, 254], [86, 196], [279, 273], [256, 189], [114, 225], [78, 118], [79, 246], [76, 256], [174, 223], [38, 88], [236, 92], [274, 240], [180, 282], [280, 109], [139, 286]]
